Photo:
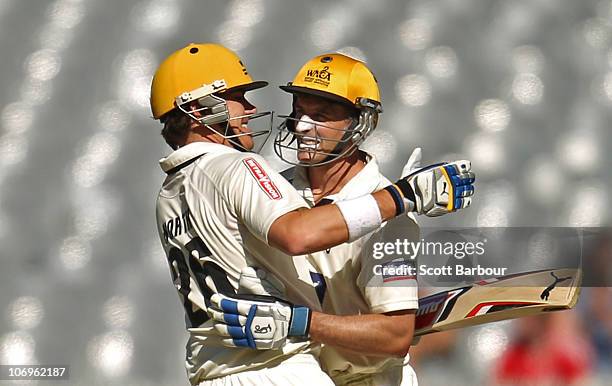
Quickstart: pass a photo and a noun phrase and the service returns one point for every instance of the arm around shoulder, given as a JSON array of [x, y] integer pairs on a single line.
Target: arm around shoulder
[[311, 230]]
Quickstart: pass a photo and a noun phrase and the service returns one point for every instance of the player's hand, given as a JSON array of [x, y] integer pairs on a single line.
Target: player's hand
[[256, 321], [437, 189]]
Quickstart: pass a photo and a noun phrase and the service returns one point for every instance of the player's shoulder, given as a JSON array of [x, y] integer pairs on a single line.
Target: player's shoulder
[[224, 162], [236, 158], [251, 159], [234, 165], [238, 163]]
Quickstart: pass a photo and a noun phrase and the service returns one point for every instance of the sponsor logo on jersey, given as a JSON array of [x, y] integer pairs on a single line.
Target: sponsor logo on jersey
[[263, 179]]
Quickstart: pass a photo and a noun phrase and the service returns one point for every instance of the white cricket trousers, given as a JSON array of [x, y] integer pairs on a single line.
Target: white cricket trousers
[[298, 370]]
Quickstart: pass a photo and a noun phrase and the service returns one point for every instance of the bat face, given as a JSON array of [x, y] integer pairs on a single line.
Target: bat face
[[503, 298]]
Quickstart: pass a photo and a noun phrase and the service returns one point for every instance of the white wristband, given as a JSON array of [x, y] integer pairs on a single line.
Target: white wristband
[[361, 215]]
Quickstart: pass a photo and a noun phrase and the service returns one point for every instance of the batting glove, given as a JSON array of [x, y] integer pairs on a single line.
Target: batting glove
[[434, 190], [258, 322]]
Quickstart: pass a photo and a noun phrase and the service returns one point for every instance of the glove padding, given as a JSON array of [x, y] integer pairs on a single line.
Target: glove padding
[[261, 322], [437, 189], [257, 317]]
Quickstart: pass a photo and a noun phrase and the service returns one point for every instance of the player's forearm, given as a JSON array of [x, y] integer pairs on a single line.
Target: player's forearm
[[316, 229], [305, 231], [371, 334]]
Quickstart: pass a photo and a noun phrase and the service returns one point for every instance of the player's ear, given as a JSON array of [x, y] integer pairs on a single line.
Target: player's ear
[[193, 108]]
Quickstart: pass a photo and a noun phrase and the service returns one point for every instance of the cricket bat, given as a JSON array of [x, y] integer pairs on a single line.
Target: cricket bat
[[492, 300]]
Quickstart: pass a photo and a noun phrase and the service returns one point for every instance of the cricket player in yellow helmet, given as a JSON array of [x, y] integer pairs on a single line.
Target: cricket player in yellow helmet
[[367, 320], [217, 79]]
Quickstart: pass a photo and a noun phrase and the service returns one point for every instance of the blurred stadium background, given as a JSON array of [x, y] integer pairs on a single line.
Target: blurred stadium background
[[523, 88]]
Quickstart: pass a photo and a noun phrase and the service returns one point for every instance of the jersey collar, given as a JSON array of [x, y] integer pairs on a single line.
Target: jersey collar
[[364, 182], [190, 152]]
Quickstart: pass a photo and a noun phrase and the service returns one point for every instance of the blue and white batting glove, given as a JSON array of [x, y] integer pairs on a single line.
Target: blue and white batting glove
[[258, 322], [434, 190]]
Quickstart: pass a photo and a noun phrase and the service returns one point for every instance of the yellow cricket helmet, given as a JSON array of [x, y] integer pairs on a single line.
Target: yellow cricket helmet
[[193, 67], [337, 77]]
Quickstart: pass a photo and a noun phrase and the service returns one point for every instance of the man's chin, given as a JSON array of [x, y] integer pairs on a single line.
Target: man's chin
[[308, 158], [244, 139], [247, 143]]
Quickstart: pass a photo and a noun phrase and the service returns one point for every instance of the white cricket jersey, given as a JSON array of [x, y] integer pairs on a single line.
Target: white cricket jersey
[[349, 286], [214, 211]]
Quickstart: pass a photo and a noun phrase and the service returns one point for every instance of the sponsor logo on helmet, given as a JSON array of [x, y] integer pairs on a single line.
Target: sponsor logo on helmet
[[318, 76], [262, 178]]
